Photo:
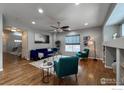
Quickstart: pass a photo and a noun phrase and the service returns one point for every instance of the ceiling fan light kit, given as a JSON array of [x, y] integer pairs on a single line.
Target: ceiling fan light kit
[[59, 28]]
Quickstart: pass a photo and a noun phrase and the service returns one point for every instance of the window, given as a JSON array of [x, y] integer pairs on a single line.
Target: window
[[72, 43], [17, 33], [18, 41], [122, 30]]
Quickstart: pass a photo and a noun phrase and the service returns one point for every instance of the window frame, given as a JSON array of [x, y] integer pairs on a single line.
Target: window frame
[[72, 44]]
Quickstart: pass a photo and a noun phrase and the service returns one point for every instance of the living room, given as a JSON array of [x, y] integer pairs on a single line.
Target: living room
[[61, 32]]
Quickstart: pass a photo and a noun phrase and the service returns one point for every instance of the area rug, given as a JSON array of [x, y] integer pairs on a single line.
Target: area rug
[[38, 63]]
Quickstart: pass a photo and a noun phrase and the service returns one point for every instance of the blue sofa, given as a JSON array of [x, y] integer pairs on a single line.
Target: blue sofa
[[46, 53]]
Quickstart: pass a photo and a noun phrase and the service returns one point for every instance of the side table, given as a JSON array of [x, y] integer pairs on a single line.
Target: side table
[[46, 68]]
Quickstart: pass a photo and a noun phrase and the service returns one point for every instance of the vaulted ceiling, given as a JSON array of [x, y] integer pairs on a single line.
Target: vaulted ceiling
[[67, 13], [117, 15]]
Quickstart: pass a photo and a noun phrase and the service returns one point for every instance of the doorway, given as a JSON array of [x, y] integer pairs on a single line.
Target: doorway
[[12, 41]]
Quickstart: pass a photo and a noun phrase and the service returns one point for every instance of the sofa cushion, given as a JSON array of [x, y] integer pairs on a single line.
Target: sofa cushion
[[42, 50], [33, 55], [38, 53]]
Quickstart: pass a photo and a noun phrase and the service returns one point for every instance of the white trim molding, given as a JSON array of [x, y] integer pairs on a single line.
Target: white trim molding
[[108, 67], [1, 69], [27, 59], [96, 58]]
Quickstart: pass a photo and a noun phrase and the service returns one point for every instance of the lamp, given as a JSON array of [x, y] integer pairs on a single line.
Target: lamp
[[92, 42]]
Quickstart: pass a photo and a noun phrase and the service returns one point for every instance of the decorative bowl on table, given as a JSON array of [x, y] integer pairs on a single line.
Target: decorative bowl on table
[[49, 63]]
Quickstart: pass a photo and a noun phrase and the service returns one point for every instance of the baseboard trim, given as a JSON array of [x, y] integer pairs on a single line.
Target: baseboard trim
[[96, 58], [27, 59], [1, 69], [108, 67]]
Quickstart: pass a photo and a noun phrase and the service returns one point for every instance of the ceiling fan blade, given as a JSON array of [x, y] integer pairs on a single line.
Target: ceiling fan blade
[[64, 27], [54, 27]]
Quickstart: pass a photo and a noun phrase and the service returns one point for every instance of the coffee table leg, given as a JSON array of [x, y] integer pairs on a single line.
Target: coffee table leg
[[48, 72], [53, 58], [45, 78]]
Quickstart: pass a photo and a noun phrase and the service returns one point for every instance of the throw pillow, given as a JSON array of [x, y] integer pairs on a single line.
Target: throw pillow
[[40, 55], [49, 49]]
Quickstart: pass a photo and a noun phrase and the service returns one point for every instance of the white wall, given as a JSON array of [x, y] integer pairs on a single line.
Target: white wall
[[29, 38], [33, 46], [122, 30], [108, 31], [54, 35], [8, 41], [117, 43], [5, 41], [109, 12], [93, 32], [1, 50], [25, 45]]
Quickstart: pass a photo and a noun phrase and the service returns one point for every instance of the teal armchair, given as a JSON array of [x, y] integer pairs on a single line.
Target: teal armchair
[[83, 54], [66, 66]]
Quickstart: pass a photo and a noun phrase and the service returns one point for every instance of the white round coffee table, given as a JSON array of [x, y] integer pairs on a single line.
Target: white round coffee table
[[46, 68]]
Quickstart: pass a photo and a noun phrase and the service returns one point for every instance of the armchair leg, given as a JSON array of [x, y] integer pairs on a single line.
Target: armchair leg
[[76, 77], [59, 81]]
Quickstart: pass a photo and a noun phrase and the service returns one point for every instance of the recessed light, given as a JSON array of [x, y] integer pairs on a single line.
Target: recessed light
[[77, 3], [85, 24], [33, 22], [40, 10], [13, 30]]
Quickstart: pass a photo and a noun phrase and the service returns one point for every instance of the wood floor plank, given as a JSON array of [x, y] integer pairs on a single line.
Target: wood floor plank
[[18, 71]]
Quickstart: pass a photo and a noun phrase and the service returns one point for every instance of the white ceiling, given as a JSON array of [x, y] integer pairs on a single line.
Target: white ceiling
[[66, 13]]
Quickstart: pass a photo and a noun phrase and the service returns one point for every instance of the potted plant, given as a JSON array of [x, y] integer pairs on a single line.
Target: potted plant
[[58, 43]]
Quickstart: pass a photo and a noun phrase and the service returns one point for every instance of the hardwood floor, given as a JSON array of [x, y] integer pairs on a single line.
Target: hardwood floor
[[19, 72]]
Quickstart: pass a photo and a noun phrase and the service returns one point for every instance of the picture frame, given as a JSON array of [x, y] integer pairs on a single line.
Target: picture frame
[[85, 40], [41, 38]]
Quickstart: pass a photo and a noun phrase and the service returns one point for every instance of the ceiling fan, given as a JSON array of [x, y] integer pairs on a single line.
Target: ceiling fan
[[59, 28]]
